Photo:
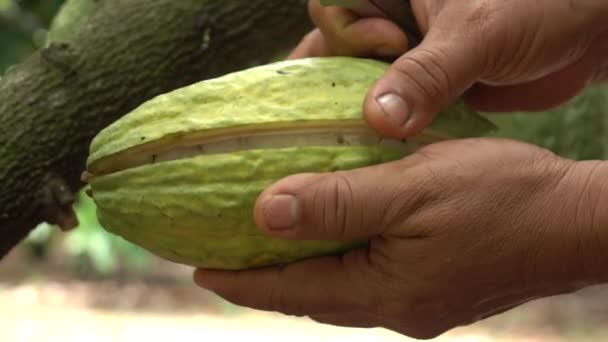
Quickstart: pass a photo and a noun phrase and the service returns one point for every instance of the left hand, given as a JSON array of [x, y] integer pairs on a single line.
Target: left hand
[[458, 231], [499, 56]]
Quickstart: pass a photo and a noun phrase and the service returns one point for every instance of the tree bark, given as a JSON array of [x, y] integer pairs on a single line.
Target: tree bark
[[127, 52]]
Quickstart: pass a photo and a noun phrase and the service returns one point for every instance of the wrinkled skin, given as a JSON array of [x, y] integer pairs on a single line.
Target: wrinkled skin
[[513, 54], [461, 230]]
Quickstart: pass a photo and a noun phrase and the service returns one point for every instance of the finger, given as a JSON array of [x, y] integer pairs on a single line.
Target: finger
[[540, 95], [322, 206], [423, 81], [333, 206], [312, 45], [316, 286], [351, 35], [370, 37], [345, 205]]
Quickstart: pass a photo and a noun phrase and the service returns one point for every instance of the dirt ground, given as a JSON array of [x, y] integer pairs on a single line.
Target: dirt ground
[[48, 305], [47, 311]]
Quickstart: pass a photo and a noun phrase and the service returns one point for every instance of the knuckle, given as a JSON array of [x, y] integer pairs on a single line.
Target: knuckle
[[483, 15], [345, 201], [481, 11], [426, 72], [544, 161], [332, 203], [433, 59], [482, 24]]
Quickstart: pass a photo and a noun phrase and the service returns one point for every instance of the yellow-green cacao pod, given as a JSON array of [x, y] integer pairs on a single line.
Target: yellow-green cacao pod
[[179, 175]]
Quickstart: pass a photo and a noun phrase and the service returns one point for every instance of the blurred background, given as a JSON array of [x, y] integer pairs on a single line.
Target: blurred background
[[91, 285]]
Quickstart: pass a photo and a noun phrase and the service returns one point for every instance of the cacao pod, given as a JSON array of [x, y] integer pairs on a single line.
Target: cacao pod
[[180, 174]]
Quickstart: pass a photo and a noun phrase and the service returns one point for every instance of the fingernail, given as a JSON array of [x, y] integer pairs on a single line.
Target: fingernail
[[282, 212], [395, 108]]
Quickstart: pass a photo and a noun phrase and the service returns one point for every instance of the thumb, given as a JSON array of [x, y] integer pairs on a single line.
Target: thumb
[[331, 206], [421, 82]]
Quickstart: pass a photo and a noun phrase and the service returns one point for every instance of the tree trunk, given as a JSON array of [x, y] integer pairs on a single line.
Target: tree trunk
[[127, 52]]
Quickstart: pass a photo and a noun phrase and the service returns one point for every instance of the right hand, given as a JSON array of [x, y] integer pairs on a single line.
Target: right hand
[[517, 55]]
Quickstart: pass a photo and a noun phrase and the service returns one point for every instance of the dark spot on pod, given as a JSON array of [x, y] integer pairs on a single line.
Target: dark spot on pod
[[333, 84], [282, 72]]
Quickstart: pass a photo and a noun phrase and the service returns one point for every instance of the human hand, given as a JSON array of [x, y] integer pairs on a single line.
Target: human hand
[[500, 55], [458, 231]]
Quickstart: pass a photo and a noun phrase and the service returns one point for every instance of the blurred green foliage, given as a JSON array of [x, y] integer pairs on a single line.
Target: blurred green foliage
[[576, 130], [90, 245], [23, 24]]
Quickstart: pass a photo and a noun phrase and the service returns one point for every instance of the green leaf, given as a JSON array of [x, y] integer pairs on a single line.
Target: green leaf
[[5, 5]]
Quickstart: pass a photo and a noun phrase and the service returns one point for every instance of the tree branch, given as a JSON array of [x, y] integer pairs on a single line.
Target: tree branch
[[127, 52]]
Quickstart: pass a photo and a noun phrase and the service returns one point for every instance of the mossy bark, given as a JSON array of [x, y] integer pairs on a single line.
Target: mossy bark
[[127, 52]]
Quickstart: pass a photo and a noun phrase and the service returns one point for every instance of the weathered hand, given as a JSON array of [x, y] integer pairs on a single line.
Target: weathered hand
[[502, 55], [457, 232]]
